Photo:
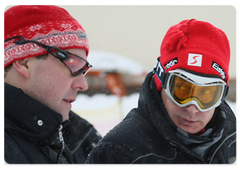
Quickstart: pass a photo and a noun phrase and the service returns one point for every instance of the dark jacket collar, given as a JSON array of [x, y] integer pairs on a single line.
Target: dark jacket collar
[[29, 118], [151, 107]]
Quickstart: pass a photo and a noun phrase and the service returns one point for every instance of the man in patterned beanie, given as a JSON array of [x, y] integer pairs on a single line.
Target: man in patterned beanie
[[182, 116], [45, 61]]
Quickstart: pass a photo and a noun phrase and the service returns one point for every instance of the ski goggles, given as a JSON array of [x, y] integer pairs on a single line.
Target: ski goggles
[[185, 88], [76, 64]]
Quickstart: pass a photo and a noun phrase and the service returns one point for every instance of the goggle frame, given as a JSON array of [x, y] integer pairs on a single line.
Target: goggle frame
[[197, 80]]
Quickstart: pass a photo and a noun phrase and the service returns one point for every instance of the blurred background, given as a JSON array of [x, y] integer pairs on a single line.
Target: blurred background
[[124, 45]]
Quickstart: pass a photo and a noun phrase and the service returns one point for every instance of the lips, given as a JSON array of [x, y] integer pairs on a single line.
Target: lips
[[187, 122], [69, 100]]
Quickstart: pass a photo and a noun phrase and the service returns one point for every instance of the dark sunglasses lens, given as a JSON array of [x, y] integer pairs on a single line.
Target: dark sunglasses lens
[[83, 70], [76, 65]]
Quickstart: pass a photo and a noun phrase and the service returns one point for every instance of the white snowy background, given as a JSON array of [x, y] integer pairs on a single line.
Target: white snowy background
[[106, 111]]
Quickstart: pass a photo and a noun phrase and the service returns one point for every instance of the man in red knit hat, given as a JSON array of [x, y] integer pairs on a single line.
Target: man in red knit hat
[[45, 61], [181, 115]]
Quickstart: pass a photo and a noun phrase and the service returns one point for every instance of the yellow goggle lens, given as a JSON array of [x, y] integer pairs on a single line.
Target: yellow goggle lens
[[184, 91]]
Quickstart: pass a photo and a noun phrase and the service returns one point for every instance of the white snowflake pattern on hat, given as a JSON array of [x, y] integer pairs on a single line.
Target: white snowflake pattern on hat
[[66, 26], [35, 27]]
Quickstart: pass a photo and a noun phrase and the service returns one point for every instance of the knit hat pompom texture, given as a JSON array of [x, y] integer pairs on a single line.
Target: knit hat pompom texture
[[50, 25], [196, 46]]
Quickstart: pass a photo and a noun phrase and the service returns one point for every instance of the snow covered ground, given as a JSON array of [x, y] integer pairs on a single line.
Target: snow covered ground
[[104, 111]]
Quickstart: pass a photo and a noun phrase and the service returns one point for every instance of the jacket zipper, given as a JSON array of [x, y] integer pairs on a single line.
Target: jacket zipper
[[61, 141]]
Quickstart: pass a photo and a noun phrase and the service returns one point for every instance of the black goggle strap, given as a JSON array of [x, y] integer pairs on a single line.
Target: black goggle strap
[[20, 37], [62, 55], [23, 41], [160, 72], [225, 92]]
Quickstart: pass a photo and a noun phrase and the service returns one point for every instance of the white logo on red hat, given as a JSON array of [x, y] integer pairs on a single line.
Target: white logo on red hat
[[194, 59], [171, 63], [219, 69]]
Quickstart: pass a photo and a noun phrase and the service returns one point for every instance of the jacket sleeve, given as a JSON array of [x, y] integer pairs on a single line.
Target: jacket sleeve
[[107, 153]]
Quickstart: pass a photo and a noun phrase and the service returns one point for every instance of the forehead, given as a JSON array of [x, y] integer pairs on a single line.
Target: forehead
[[78, 51]]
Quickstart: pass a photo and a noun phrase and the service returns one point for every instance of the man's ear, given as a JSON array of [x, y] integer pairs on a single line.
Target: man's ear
[[22, 67]]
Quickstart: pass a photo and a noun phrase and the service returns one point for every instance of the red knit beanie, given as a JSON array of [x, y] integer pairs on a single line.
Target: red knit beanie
[[195, 46], [50, 25]]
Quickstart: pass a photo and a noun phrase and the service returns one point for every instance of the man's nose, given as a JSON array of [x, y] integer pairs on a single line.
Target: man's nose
[[80, 83], [191, 109]]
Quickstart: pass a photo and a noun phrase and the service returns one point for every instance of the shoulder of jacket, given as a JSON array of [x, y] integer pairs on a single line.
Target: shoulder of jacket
[[12, 152], [128, 135]]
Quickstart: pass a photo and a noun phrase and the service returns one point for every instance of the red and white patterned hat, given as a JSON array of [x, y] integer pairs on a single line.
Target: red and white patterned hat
[[50, 25], [197, 46]]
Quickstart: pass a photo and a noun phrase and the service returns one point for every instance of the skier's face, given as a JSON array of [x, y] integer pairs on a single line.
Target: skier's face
[[189, 118], [52, 83]]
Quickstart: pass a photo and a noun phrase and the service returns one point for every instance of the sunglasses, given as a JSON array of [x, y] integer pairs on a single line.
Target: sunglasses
[[76, 64], [185, 88]]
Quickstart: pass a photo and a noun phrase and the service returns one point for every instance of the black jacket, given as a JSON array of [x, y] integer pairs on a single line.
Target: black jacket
[[33, 132], [147, 135]]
